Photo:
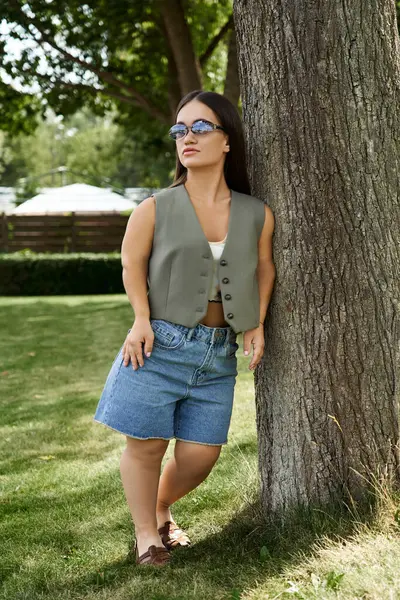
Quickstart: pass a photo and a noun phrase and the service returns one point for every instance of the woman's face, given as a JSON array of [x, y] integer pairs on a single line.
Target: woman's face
[[211, 146]]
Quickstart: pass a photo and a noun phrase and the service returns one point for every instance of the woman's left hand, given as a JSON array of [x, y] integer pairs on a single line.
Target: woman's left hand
[[254, 337]]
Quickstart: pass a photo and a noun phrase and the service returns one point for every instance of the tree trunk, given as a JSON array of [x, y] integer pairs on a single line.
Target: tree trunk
[[180, 42], [320, 94], [232, 85]]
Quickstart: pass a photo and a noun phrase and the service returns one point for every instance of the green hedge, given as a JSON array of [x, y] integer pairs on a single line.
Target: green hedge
[[29, 273]]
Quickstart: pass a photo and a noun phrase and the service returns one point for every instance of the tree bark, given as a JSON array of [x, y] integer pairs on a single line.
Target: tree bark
[[232, 85], [320, 94]]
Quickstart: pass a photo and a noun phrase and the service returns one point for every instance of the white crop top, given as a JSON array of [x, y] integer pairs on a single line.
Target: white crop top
[[214, 294]]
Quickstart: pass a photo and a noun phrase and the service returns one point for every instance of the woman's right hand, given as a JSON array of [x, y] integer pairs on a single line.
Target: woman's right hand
[[141, 333]]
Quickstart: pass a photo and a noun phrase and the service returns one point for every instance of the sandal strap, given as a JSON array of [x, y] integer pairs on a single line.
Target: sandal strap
[[153, 555], [172, 535]]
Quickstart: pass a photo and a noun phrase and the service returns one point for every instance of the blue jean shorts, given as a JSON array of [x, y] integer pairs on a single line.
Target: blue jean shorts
[[184, 390]]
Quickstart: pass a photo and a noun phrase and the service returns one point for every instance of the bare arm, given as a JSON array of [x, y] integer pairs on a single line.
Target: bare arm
[[135, 252]]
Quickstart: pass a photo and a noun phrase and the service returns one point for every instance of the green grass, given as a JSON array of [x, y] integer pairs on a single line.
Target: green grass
[[65, 529]]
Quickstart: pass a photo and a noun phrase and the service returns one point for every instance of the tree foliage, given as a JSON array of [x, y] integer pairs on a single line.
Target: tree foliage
[[93, 149], [120, 55]]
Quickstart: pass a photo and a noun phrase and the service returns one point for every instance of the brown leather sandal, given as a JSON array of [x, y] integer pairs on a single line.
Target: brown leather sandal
[[155, 555], [172, 536]]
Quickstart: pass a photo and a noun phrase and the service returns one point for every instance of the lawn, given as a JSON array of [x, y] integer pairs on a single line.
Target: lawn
[[66, 531]]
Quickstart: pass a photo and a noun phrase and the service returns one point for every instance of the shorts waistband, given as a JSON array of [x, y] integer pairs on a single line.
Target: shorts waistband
[[222, 335]]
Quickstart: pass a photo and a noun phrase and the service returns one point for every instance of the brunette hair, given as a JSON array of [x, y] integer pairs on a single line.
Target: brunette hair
[[235, 161]]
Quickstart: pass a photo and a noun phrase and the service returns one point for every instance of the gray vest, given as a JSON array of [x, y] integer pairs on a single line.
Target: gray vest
[[181, 261]]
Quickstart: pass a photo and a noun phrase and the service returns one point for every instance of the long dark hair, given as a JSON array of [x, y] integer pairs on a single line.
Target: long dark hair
[[235, 161]]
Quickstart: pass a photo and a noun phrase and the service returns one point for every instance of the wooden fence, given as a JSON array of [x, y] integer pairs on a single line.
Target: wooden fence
[[77, 232]]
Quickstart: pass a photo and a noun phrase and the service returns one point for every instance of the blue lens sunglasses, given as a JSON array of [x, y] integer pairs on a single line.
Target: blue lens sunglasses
[[200, 126]]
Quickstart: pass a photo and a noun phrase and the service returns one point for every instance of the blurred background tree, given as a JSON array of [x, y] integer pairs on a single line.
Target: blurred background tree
[[125, 64]]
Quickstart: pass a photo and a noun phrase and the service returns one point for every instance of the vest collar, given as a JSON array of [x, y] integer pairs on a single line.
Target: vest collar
[[231, 224]]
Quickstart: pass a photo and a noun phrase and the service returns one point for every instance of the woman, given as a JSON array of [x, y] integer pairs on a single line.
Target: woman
[[175, 374]]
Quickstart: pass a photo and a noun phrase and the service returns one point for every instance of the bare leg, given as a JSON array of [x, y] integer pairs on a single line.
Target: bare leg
[[183, 472], [140, 467]]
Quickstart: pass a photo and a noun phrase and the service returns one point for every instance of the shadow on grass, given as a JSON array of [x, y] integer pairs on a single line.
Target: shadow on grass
[[49, 534], [243, 554]]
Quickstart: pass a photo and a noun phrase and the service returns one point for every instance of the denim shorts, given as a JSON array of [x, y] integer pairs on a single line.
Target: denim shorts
[[184, 390]]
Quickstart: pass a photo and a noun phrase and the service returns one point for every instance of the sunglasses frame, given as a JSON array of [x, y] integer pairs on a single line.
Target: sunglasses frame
[[214, 126]]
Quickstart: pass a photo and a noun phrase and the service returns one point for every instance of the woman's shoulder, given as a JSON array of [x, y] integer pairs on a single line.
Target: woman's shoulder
[[167, 192], [260, 205], [250, 197]]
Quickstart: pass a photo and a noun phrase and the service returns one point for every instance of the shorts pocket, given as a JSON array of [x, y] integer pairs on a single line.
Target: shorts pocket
[[166, 335], [232, 348]]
